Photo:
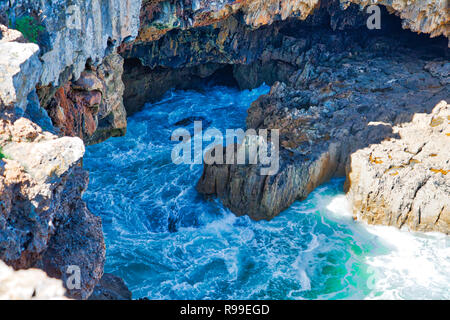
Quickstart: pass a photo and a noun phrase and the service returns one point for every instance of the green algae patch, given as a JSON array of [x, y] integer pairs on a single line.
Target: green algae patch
[[29, 27], [2, 155]]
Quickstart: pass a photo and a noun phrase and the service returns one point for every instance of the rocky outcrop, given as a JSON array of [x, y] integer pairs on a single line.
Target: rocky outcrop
[[74, 38], [111, 287], [66, 49], [31, 284], [44, 222], [335, 104], [405, 181], [340, 93], [20, 70], [92, 106], [70, 33], [429, 16], [251, 56], [159, 17]]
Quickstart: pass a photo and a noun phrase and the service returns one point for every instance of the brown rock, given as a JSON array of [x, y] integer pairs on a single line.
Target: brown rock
[[405, 182]]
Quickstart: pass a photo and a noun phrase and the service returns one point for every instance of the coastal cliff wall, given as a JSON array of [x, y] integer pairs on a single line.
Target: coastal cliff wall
[[65, 52], [63, 80]]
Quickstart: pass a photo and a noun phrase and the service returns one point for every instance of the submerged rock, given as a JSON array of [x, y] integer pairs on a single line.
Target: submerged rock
[[405, 181]]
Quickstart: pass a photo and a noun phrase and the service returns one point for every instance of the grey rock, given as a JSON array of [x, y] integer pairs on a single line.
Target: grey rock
[[20, 70], [370, 93], [74, 32], [44, 222], [111, 287], [405, 182]]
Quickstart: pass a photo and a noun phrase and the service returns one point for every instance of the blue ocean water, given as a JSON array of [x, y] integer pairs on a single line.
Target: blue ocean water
[[168, 242]]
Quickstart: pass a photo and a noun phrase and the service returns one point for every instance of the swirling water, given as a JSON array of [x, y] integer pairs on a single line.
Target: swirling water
[[168, 242]]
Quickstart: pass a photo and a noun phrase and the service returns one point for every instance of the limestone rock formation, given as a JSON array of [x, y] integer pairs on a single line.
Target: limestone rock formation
[[405, 181], [44, 222], [252, 56], [31, 284], [422, 16], [70, 33], [92, 106], [20, 69], [159, 17], [334, 104]]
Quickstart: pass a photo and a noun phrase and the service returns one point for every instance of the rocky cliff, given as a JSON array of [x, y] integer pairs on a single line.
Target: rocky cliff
[[44, 222], [74, 37], [339, 94], [159, 16], [343, 99], [60, 77], [404, 181]]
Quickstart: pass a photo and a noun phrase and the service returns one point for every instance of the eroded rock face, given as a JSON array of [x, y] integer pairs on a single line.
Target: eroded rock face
[[252, 56], [334, 104], [70, 33], [43, 221], [90, 107], [158, 16], [422, 16], [20, 69], [405, 181], [111, 287], [32, 284]]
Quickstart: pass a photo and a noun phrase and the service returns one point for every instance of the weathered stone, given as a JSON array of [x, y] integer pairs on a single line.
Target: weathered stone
[[159, 17], [92, 106], [70, 33], [422, 16], [335, 105], [405, 181], [111, 287], [20, 70], [43, 220]]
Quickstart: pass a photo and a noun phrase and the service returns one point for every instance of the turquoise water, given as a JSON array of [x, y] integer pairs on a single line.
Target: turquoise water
[[168, 242]]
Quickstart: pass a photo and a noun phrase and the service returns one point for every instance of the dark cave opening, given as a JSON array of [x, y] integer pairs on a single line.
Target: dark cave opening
[[265, 55]]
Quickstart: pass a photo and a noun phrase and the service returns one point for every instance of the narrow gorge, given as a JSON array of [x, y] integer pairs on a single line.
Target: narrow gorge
[[91, 93]]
